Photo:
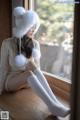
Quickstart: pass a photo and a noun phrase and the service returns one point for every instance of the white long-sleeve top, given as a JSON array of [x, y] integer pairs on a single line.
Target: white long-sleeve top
[[7, 63]]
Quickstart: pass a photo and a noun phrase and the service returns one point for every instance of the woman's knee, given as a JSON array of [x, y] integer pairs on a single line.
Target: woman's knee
[[31, 66]]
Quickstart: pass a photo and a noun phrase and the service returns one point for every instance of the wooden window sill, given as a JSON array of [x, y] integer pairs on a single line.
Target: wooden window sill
[[61, 87]]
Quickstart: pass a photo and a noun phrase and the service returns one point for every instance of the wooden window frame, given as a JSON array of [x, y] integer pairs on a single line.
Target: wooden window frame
[[28, 4], [75, 90]]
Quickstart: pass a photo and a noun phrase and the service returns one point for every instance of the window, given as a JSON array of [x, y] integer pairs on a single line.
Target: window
[[56, 35]]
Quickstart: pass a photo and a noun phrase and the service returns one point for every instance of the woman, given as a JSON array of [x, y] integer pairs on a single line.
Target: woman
[[20, 61]]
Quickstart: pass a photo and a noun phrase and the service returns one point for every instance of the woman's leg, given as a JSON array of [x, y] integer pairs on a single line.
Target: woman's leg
[[56, 109], [43, 82], [29, 77], [17, 81]]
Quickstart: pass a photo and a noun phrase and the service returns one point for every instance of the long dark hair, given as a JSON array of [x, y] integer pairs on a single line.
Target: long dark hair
[[26, 46]]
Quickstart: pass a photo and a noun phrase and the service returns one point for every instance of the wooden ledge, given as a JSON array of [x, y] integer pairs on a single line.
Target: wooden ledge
[[24, 105], [61, 87]]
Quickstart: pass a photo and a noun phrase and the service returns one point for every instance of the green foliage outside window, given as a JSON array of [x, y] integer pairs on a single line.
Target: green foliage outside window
[[56, 20]]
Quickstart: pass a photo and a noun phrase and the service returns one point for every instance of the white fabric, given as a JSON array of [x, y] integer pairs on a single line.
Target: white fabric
[[46, 86], [24, 22], [21, 60], [7, 64], [55, 108], [18, 11]]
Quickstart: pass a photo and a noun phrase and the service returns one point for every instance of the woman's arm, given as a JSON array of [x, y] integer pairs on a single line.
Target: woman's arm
[[4, 66]]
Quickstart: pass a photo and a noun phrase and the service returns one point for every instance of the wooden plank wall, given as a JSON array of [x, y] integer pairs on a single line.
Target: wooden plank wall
[[5, 19]]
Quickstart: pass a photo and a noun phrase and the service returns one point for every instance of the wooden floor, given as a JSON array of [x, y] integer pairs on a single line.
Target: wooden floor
[[25, 105]]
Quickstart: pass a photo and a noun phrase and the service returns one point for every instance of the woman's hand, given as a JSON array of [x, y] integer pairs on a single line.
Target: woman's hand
[[31, 66]]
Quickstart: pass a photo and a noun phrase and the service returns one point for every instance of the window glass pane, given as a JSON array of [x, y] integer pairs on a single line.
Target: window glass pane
[[56, 35]]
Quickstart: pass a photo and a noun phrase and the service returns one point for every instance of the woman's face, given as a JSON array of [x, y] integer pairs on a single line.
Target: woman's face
[[30, 33]]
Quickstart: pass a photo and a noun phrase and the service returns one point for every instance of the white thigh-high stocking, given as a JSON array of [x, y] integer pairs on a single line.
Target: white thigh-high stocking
[[55, 108], [45, 85]]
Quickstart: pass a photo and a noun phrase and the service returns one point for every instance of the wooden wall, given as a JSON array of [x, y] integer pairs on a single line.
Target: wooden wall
[[5, 19]]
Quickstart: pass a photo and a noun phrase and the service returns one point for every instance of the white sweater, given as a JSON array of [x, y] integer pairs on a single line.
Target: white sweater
[[8, 53]]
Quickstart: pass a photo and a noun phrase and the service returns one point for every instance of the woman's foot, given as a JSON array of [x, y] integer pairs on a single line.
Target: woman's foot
[[65, 111], [60, 111]]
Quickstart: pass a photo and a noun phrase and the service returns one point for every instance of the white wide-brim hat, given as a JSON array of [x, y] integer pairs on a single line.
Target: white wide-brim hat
[[24, 20]]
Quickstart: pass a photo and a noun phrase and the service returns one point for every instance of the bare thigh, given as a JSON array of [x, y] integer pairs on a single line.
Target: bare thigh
[[19, 80]]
